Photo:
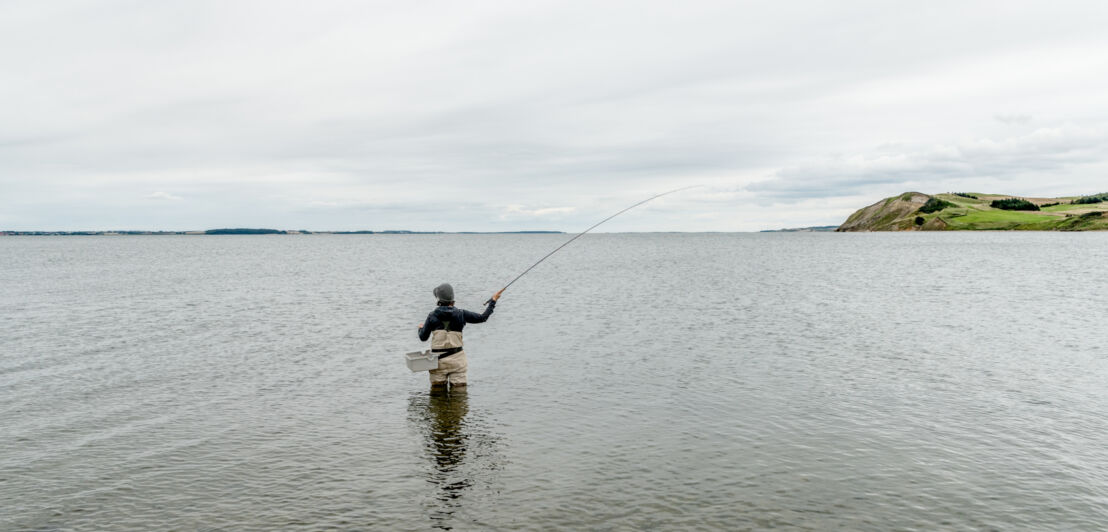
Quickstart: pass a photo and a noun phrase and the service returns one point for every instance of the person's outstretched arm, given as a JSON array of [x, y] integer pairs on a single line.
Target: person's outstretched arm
[[473, 317]]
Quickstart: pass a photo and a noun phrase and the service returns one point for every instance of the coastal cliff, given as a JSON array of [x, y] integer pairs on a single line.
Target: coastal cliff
[[916, 211]]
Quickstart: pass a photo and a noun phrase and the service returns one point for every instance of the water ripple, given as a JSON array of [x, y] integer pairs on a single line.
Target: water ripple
[[670, 382]]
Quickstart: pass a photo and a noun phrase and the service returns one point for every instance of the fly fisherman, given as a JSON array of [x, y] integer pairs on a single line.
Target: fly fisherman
[[444, 327]]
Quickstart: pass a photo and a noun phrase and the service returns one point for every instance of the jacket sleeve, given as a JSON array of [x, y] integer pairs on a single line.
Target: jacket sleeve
[[473, 317], [429, 325]]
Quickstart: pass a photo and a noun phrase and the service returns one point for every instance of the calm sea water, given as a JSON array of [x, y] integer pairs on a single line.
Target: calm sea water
[[646, 381]]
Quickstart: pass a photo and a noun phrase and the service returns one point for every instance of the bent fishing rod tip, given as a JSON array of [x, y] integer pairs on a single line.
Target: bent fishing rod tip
[[582, 233]]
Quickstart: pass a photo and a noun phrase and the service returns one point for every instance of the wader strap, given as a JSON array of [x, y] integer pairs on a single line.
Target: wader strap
[[447, 352]]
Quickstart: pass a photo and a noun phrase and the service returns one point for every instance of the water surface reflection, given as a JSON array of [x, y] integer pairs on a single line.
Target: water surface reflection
[[462, 451]]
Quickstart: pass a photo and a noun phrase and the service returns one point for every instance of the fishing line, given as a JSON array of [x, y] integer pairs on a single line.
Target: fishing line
[[582, 233]]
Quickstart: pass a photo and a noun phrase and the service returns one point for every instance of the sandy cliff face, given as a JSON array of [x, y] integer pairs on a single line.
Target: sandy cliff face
[[897, 213]]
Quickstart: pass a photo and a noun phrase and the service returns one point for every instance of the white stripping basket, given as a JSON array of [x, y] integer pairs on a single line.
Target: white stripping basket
[[422, 361]]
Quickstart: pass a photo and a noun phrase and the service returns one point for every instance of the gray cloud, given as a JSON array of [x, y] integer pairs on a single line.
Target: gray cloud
[[1018, 160], [441, 115], [1013, 119]]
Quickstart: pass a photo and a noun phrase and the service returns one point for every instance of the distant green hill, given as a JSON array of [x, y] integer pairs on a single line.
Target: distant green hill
[[915, 211]]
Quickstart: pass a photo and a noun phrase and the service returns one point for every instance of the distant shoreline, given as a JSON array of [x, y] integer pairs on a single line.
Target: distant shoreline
[[812, 229], [221, 232]]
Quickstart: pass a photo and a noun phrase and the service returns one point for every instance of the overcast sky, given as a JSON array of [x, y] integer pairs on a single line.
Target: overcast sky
[[475, 116]]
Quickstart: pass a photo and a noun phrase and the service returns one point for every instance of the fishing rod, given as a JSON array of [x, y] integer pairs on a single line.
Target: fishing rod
[[582, 233]]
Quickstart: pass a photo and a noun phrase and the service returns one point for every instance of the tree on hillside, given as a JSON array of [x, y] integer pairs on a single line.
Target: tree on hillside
[[1014, 204], [934, 205]]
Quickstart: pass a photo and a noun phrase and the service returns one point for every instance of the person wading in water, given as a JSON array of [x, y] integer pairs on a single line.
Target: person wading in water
[[444, 327]]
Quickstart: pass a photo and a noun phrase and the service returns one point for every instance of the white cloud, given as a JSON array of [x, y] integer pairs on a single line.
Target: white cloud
[[437, 115], [541, 212], [162, 195]]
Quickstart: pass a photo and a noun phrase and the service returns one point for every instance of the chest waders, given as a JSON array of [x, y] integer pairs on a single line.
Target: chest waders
[[447, 346], [445, 342]]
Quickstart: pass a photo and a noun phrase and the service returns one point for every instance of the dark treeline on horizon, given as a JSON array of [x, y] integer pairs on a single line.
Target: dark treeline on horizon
[[260, 231]]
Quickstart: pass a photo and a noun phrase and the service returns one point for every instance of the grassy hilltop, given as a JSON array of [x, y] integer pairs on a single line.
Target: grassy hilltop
[[915, 211]]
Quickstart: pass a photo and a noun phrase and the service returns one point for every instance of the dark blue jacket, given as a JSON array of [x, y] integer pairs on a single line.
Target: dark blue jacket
[[456, 317]]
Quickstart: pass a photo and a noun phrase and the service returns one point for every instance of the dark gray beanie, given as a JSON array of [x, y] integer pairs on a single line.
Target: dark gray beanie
[[444, 292]]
